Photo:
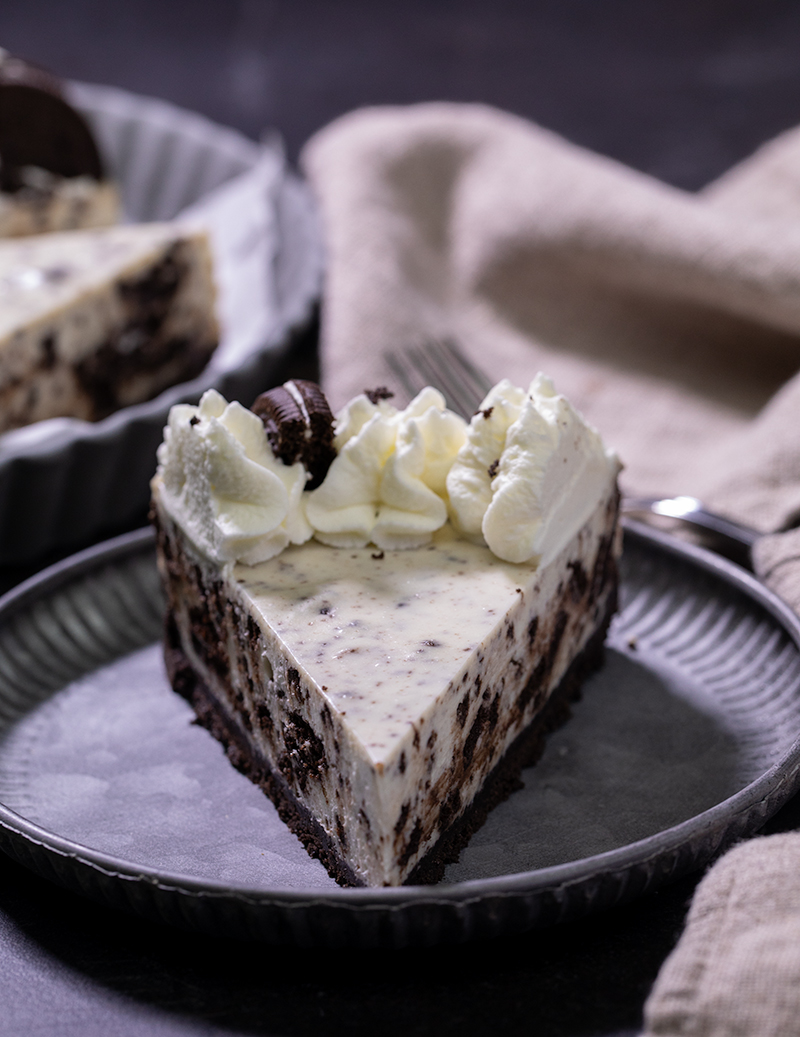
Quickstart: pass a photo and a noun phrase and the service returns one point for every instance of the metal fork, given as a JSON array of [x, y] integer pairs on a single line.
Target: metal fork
[[442, 364]]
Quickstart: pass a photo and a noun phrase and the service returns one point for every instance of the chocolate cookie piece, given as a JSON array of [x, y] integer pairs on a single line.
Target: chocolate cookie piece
[[299, 426], [38, 127]]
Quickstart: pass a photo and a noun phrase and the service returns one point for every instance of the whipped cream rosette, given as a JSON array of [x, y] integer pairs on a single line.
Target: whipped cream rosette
[[530, 473], [222, 483], [387, 484]]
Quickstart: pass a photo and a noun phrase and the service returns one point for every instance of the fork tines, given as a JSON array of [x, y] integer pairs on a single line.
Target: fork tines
[[442, 364]]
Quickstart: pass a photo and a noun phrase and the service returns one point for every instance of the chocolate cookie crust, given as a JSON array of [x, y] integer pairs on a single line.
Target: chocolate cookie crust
[[502, 782]]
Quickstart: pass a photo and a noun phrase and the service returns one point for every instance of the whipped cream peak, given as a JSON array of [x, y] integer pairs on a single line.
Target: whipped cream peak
[[355, 415], [221, 482], [530, 473], [387, 486]]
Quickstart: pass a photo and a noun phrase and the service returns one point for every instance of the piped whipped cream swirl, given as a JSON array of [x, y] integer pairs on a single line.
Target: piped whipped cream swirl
[[387, 484], [221, 482], [523, 477], [530, 473]]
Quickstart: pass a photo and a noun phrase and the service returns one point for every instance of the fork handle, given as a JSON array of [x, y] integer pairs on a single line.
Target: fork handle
[[729, 538]]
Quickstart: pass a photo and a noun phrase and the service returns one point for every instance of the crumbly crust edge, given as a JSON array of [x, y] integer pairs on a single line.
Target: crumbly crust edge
[[504, 779]]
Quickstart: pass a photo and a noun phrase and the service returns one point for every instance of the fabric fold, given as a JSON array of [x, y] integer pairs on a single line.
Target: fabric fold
[[670, 319], [736, 969]]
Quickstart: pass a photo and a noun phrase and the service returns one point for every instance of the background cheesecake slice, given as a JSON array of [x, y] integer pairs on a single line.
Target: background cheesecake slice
[[95, 320]]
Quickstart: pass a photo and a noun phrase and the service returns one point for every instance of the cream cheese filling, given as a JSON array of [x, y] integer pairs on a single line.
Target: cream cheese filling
[[406, 649]]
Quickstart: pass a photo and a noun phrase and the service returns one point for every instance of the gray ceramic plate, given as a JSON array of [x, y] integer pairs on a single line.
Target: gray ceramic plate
[[686, 740]]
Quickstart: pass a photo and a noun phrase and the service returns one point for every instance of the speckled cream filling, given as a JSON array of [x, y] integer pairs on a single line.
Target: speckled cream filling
[[61, 301], [386, 686]]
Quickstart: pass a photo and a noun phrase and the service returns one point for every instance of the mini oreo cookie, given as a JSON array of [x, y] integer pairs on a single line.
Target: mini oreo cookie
[[299, 426], [38, 127]]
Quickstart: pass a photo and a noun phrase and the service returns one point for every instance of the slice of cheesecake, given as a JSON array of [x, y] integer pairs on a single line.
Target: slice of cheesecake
[[95, 320], [384, 698]]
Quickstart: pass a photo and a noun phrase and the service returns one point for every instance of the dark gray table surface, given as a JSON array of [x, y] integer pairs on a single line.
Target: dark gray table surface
[[681, 89]]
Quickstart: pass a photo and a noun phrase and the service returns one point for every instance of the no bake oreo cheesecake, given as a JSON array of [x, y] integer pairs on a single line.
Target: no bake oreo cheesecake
[[93, 317], [91, 321], [384, 652]]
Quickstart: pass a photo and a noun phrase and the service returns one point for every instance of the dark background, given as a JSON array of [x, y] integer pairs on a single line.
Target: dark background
[[680, 89]]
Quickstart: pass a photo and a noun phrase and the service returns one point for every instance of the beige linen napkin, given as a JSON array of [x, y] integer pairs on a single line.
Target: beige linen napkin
[[736, 970], [672, 320]]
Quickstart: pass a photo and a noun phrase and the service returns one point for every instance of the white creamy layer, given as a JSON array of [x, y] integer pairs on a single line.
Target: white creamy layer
[[406, 649], [363, 620], [42, 274], [522, 478], [238, 502], [223, 485], [530, 473]]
